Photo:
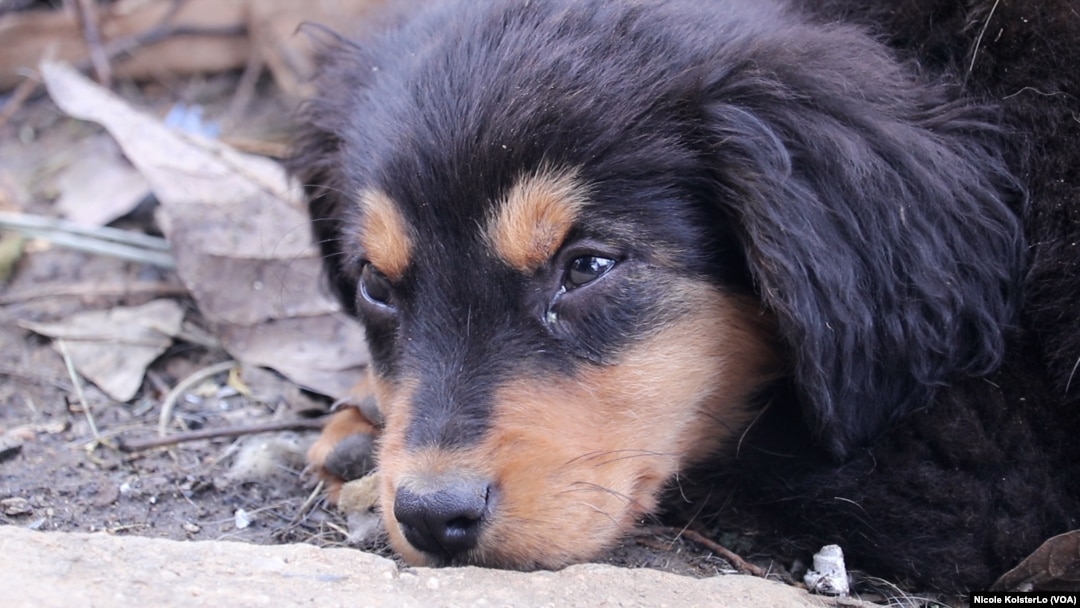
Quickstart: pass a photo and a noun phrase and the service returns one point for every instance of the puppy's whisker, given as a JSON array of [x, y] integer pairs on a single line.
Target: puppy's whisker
[[746, 431], [589, 487], [585, 486], [623, 454]]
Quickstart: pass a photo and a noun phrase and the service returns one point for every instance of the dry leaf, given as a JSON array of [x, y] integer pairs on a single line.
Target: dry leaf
[[1054, 566], [240, 236], [99, 186], [112, 348]]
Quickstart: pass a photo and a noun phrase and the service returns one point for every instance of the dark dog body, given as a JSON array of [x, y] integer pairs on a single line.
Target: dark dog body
[[601, 245]]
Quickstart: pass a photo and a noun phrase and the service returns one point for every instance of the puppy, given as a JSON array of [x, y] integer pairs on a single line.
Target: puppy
[[774, 254]]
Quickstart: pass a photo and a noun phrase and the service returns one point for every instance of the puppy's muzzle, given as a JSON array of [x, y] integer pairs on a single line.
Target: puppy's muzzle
[[443, 516]]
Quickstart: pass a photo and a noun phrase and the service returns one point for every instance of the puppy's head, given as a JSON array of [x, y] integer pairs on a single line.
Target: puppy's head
[[544, 367], [584, 237]]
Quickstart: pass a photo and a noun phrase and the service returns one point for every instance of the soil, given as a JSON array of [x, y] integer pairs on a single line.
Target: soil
[[61, 467]]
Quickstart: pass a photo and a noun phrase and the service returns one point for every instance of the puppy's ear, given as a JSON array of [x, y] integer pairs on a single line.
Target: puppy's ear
[[317, 158], [875, 219]]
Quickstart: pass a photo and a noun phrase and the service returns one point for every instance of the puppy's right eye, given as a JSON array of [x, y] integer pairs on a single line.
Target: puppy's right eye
[[585, 269], [375, 287]]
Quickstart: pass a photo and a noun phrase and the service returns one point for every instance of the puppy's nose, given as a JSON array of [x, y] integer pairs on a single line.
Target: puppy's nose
[[446, 520]]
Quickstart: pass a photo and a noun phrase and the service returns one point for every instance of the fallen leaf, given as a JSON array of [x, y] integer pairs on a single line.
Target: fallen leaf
[[240, 236], [100, 185], [112, 348], [1054, 566]]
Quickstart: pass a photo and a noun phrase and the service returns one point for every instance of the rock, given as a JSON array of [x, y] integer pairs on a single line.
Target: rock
[[16, 505], [45, 569]]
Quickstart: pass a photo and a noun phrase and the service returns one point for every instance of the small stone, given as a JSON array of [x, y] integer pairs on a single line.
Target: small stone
[[241, 519], [191, 528], [10, 446], [16, 505]]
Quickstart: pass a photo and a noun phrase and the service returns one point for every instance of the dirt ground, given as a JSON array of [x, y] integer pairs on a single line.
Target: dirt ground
[[61, 467]]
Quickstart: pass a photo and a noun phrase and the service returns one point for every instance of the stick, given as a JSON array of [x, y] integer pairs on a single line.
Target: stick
[[86, 11], [28, 87], [245, 89], [22, 92], [137, 445], [83, 290], [739, 563], [78, 388], [103, 240], [181, 387]]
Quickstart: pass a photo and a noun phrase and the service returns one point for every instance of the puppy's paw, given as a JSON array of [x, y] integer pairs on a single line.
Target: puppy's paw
[[345, 450]]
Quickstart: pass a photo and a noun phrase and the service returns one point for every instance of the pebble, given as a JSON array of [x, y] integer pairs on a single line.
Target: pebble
[[16, 505], [241, 519]]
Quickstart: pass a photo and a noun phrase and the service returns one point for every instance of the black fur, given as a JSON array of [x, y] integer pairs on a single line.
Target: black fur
[[896, 183]]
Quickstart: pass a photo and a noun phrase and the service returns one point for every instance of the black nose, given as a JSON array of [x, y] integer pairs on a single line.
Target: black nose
[[446, 520]]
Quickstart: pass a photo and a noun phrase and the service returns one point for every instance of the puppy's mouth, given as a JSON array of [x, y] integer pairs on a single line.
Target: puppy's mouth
[[534, 517]]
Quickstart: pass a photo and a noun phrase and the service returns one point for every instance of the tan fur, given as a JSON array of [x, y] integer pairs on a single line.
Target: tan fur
[[385, 236], [532, 221], [576, 460]]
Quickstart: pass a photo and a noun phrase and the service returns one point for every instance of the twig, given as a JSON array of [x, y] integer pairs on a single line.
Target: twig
[[78, 388], [27, 221], [183, 386], [136, 445], [87, 14], [82, 290], [272, 149], [312, 498], [27, 88], [739, 563], [57, 383], [245, 89], [122, 244], [303, 510], [164, 32], [18, 97]]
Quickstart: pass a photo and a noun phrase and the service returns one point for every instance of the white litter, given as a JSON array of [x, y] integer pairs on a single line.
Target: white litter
[[829, 575], [243, 520]]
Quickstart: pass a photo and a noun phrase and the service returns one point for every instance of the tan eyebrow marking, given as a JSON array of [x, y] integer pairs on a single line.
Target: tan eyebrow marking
[[531, 223], [384, 234]]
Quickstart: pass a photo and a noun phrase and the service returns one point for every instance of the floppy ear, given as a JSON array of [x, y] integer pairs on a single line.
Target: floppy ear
[[875, 219], [317, 157]]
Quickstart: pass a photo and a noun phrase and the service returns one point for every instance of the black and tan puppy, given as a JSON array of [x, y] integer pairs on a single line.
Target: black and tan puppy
[[818, 262]]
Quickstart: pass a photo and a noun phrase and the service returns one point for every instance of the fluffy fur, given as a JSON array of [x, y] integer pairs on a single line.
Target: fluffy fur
[[877, 203]]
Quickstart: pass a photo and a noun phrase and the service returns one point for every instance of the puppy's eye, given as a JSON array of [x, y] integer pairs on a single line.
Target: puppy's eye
[[586, 269], [375, 287]]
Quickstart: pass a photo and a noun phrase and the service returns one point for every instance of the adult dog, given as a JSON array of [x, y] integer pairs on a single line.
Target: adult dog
[[816, 264]]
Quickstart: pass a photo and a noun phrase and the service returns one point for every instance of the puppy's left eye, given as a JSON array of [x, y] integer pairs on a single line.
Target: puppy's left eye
[[375, 287], [586, 269]]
